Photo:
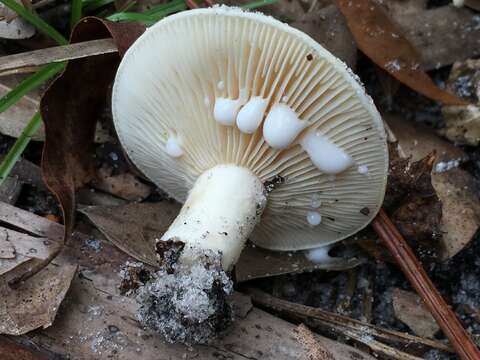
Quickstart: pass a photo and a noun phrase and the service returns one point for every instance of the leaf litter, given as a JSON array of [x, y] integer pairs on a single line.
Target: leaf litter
[[104, 340]]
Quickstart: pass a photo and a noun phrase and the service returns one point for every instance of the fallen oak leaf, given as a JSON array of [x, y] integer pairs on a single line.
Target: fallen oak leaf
[[70, 109], [383, 42]]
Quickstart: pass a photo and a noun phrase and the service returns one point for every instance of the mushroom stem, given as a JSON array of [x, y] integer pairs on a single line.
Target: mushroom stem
[[219, 214]]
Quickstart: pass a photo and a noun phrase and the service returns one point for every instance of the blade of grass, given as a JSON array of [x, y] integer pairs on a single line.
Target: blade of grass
[[131, 16], [19, 146], [151, 16], [36, 21], [30, 83], [76, 12], [257, 4]]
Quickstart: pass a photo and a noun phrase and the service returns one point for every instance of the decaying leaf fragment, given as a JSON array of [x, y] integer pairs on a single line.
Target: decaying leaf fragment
[[133, 228], [327, 26], [410, 195], [12, 26], [383, 42], [256, 263], [314, 350], [70, 109], [35, 302], [454, 187], [15, 118], [410, 309], [124, 185], [462, 122], [22, 254]]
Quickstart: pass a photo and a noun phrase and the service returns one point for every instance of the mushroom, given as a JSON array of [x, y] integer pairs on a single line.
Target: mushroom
[[261, 133]]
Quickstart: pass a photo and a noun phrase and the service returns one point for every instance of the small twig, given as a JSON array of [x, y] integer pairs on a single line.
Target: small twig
[[340, 324], [413, 270], [56, 54]]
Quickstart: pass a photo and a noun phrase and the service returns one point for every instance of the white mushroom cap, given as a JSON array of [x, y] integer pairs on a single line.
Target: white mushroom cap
[[166, 89]]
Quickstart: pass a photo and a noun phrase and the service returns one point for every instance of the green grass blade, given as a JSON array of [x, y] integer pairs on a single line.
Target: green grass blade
[[76, 13], [160, 14], [36, 21], [130, 16], [28, 84], [257, 4], [19, 146], [151, 16]]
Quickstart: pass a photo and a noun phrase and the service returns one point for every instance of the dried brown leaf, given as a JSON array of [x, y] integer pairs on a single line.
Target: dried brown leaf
[[125, 185], [16, 28], [455, 188], [134, 227], [462, 123], [27, 254], [383, 42], [35, 302], [327, 26], [412, 200], [71, 107], [15, 118], [313, 349], [13, 351], [441, 35], [410, 309], [256, 263]]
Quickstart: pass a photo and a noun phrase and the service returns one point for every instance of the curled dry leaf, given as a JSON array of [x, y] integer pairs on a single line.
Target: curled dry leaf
[[35, 302], [383, 42], [410, 309], [455, 187], [462, 122], [70, 109], [411, 198]]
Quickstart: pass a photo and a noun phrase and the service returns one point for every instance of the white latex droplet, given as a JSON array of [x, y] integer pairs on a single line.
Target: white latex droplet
[[314, 218], [206, 101], [282, 126], [251, 115], [363, 169], [315, 202], [326, 156], [319, 255], [226, 110], [173, 147]]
